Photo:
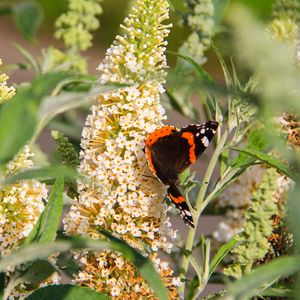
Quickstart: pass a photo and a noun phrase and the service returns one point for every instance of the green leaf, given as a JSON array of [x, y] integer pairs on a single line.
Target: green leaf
[[257, 140], [68, 264], [29, 57], [219, 7], [34, 251], [52, 213], [204, 77], [268, 159], [45, 84], [66, 292], [225, 70], [222, 252], [17, 123], [251, 284], [49, 172], [39, 271], [196, 266], [192, 288], [176, 105], [28, 17], [47, 225], [179, 99], [277, 292], [54, 105], [18, 117]]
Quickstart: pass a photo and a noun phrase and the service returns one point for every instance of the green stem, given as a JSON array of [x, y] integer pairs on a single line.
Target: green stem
[[200, 199]]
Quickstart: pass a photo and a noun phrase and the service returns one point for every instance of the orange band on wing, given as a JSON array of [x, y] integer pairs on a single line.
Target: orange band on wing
[[159, 133], [190, 138], [178, 200], [149, 159]]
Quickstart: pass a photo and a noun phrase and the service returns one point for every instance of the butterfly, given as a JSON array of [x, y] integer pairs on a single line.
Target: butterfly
[[169, 151]]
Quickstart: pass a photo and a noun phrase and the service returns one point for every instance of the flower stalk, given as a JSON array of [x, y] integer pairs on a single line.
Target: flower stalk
[[199, 205]]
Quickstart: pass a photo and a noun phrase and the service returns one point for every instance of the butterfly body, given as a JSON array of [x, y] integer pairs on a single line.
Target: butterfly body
[[169, 151]]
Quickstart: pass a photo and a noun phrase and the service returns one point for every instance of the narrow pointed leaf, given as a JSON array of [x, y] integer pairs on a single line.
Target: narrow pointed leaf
[[250, 284], [204, 77], [51, 215], [47, 225], [29, 57], [268, 159], [43, 250], [18, 117], [66, 292], [54, 105], [39, 271], [49, 172], [222, 252], [28, 17]]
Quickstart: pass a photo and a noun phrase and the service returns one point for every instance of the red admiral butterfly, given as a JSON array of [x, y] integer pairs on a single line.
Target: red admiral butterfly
[[169, 151]]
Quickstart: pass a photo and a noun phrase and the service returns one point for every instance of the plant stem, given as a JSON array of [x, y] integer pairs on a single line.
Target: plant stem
[[198, 210]]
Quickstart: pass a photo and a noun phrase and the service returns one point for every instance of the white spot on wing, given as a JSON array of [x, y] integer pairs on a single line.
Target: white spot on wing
[[205, 141], [202, 131], [187, 213]]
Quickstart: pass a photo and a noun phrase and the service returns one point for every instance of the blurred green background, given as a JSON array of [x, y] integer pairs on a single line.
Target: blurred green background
[[114, 12]]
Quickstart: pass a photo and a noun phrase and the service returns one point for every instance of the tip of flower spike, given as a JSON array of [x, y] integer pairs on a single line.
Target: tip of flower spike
[[138, 55]]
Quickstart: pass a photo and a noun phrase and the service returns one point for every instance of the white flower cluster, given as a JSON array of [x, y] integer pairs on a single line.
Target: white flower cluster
[[200, 20], [21, 204], [121, 194], [232, 225], [239, 193], [138, 56], [283, 185], [112, 274]]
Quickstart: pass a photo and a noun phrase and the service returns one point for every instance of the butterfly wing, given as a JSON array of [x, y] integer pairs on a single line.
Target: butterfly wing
[[199, 137], [169, 152], [166, 152], [180, 204]]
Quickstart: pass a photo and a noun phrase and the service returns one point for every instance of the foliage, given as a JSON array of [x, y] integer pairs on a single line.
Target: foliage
[[253, 240], [116, 221]]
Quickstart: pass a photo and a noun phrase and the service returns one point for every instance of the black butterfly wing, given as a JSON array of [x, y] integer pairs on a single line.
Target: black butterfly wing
[[180, 204], [200, 136], [173, 151], [167, 155], [169, 152]]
